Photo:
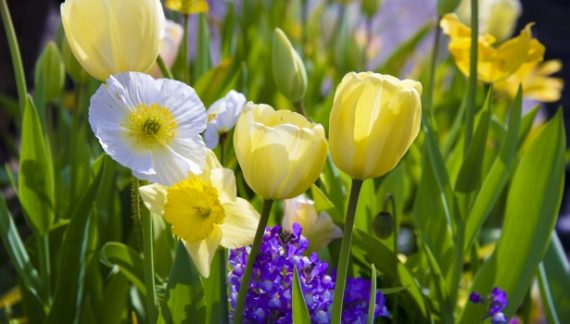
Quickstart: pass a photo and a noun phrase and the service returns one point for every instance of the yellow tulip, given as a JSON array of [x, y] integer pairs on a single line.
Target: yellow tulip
[[536, 81], [493, 64], [374, 120], [280, 152], [109, 37]]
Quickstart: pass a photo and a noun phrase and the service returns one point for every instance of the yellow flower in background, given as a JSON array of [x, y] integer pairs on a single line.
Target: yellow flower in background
[[188, 7], [493, 64], [204, 212], [280, 152], [374, 120], [109, 37], [536, 81], [319, 228], [496, 17]]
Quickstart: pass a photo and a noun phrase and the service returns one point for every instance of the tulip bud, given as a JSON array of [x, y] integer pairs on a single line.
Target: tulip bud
[[374, 120], [446, 6], [50, 72], [496, 17], [109, 37], [288, 68], [370, 7], [280, 152], [319, 229]]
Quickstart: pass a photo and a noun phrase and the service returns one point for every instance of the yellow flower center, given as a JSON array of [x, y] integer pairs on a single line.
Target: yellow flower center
[[150, 126], [192, 208], [211, 117]]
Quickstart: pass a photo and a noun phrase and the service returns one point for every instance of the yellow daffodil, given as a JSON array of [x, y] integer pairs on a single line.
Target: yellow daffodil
[[536, 81], [374, 120], [493, 64], [187, 7], [109, 37], [204, 212], [280, 152], [318, 228]]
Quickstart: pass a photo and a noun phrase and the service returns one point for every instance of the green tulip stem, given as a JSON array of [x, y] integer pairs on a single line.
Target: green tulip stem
[[15, 53], [472, 86], [45, 266], [430, 91], [146, 217], [163, 68], [300, 107], [344, 257], [266, 210]]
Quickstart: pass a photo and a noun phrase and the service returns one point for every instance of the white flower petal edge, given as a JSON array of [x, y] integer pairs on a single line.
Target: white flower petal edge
[[223, 115], [165, 159]]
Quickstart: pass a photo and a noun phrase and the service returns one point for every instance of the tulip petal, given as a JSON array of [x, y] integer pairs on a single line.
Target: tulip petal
[[202, 252]]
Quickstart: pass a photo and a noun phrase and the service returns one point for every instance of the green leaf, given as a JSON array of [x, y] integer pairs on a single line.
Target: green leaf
[[203, 60], [126, 260], [323, 203], [300, 311], [496, 178], [73, 250], [36, 178], [530, 214], [526, 124], [184, 301], [372, 302], [216, 82], [216, 294], [113, 307], [18, 254], [554, 280], [50, 72], [376, 252]]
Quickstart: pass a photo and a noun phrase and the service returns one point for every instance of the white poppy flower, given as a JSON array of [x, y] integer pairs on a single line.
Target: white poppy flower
[[150, 126], [319, 229], [222, 117]]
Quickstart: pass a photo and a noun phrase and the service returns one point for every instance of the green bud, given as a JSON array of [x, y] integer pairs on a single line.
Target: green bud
[[49, 72], [288, 68], [72, 66], [370, 7], [446, 6], [383, 225]]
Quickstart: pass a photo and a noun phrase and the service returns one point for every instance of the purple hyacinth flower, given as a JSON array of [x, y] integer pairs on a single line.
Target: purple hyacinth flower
[[498, 318], [498, 301], [475, 298]]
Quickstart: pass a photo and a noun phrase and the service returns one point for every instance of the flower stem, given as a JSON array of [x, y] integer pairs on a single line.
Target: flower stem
[[472, 86], [163, 68], [148, 258], [15, 53], [184, 52], [223, 257], [251, 259], [45, 266], [430, 91], [342, 269]]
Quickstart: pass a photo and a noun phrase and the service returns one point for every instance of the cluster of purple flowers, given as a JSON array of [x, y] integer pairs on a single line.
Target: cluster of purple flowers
[[497, 301], [269, 294]]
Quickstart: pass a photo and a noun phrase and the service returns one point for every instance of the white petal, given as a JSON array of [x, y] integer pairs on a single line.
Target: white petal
[[174, 162], [140, 88], [185, 105], [240, 224], [202, 252], [154, 197], [211, 136]]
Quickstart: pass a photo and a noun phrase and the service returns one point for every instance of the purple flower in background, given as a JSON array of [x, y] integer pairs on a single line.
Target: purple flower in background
[[497, 301], [269, 295]]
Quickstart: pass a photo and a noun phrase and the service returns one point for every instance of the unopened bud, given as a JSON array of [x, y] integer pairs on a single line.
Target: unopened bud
[[288, 68], [383, 225], [50, 72]]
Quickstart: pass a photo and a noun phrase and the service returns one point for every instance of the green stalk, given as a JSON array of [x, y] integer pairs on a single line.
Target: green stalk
[[45, 266], [15, 54], [344, 257], [222, 256], [148, 257], [163, 68], [428, 104], [184, 51], [472, 86], [251, 259]]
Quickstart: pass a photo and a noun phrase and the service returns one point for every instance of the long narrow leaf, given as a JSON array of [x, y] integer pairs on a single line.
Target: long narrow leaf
[[300, 311], [127, 260]]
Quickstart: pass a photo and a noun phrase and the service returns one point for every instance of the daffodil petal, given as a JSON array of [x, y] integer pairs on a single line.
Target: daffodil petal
[[202, 252], [240, 224], [154, 197], [225, 182]]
